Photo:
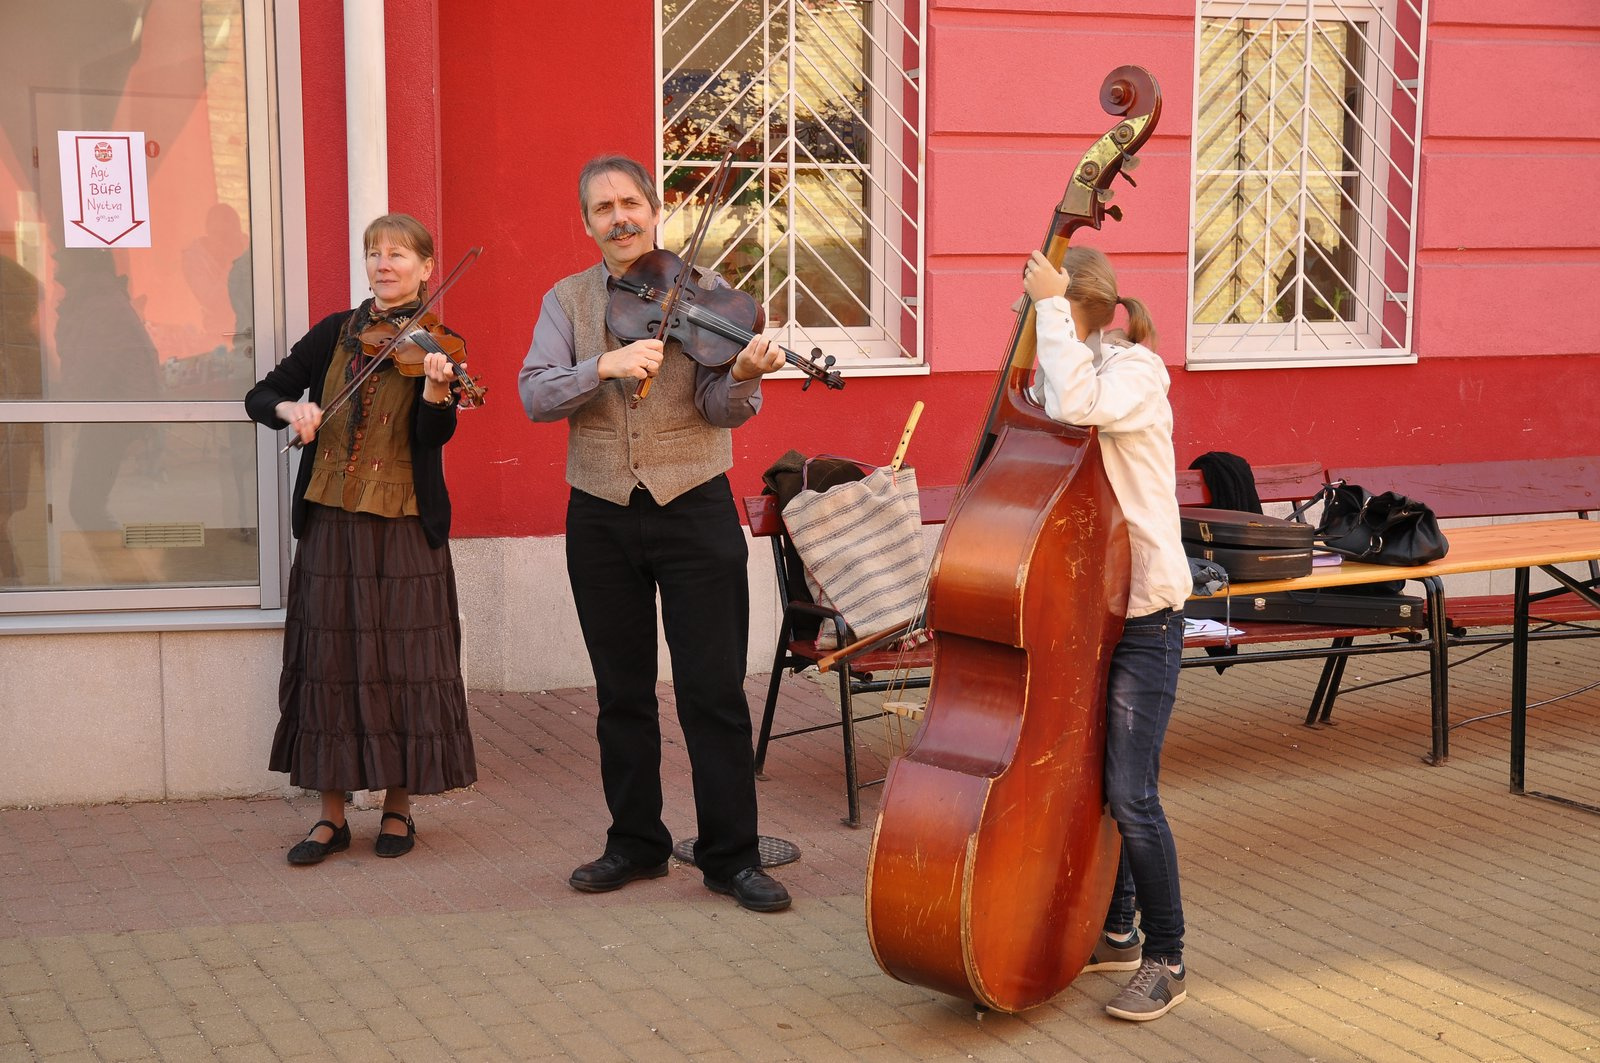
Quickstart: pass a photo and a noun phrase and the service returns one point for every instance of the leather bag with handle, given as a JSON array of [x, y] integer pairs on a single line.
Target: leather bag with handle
[[1386, 529]]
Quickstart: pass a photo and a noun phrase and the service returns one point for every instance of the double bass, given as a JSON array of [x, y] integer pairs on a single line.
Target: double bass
[[993, 857]]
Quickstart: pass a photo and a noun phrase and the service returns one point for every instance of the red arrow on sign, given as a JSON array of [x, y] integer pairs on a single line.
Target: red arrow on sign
[[106, 204]]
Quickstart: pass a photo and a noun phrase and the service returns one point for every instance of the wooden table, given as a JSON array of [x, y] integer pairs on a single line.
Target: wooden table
[[1481, 548]]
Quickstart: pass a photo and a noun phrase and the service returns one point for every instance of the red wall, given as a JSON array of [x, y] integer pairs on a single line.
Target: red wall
[[1508, 329]]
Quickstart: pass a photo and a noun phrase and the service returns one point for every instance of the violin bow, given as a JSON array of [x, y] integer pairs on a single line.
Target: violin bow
[[345, 393], [718, 190]]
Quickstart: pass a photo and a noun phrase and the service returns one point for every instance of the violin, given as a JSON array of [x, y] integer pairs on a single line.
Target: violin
[[993, 859], [712, 324], [409, 333], [423, 336]]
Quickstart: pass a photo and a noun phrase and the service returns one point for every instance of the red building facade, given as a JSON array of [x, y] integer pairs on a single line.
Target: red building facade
[[1507, 347], [1362, 227]]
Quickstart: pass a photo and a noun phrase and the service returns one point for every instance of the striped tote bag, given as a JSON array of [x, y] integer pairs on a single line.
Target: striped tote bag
[[861, 543]]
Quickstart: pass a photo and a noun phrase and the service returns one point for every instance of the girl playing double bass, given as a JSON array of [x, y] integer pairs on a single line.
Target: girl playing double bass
[[1113, 381]]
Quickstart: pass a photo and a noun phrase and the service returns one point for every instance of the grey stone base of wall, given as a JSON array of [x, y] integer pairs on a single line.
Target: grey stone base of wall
[[138, 716]]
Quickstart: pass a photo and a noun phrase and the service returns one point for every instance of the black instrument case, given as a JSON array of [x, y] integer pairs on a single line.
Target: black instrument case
[[1354, 606], [1250, 546]]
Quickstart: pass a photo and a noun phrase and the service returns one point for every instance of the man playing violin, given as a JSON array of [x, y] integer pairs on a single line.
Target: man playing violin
[[651, 512]]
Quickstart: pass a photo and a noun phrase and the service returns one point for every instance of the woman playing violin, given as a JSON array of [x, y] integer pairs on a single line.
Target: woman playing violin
[[371, 696]]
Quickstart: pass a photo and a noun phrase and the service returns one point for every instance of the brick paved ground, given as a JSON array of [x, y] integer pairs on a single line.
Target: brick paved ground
[[1345, 902]]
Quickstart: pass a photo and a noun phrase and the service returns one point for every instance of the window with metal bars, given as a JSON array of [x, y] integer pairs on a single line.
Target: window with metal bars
[[1307, 120], [821, 102]]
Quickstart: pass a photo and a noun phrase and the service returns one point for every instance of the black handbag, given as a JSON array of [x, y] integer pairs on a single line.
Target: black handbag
[[1386, 529]]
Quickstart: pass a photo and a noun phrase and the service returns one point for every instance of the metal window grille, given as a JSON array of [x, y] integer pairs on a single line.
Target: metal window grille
[[1307, 124], [823, 223]]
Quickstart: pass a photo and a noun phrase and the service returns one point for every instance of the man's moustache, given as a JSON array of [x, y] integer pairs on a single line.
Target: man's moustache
[[626, 228]]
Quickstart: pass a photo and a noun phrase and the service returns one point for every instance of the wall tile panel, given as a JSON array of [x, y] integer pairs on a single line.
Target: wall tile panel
[[1512, 89], [1044, 75], [1565, 14], [1520, 200], [80, 719], [1461, 310]]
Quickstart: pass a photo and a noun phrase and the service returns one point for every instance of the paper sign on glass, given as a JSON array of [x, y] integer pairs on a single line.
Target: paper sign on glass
[[104, 197]]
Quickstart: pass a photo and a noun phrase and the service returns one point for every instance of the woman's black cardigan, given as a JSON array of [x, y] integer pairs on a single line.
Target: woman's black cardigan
[[305, 368]]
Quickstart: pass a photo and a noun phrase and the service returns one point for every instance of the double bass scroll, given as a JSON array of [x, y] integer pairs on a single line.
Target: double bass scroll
[[993, 858]]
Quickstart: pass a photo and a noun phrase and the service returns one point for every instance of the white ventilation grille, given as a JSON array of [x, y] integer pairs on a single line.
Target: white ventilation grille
[[162, 536]]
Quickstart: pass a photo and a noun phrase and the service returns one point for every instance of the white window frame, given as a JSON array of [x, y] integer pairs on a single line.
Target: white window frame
[[1298, 341], [884, 346]]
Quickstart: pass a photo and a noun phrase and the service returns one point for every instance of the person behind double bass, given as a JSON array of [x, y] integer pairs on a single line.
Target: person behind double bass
[[371, 695], [1115, 382], [651, 512]]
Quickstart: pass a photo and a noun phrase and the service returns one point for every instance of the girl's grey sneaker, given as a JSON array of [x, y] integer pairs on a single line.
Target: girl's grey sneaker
[[1111, 955], [1150, 994]]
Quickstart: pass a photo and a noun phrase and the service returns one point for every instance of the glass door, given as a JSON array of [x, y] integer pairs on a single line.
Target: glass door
[[127, 305]]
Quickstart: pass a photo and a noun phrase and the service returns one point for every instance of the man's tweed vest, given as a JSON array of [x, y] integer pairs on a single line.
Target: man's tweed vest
[[664, 443]]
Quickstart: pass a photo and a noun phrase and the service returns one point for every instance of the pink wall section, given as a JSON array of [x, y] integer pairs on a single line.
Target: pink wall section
[[1507, 328], [1001, 149]]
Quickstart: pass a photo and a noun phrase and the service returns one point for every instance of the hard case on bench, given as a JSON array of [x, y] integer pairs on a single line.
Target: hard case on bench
[[1250, 546], [1351, 607]]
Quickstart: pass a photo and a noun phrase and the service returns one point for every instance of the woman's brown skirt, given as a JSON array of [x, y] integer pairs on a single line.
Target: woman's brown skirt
[[371, 694]]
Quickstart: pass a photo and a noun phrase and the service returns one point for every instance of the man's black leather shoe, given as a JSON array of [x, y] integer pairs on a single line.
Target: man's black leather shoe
[[754, 889], [612, 872]]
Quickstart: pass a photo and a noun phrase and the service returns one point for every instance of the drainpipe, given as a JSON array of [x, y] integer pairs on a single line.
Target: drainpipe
[[366, 129]]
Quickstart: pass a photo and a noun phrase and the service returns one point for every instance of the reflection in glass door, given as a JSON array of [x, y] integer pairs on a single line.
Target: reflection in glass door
[[147, 479]]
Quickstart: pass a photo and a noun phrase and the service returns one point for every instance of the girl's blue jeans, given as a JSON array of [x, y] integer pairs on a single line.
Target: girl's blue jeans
[[1140, 691]]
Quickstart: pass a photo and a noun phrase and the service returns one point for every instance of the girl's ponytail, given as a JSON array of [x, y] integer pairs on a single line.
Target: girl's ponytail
[[1141, 328]]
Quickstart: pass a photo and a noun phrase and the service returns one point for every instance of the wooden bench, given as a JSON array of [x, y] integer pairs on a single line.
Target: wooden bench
[[1531, 487], [1489, 489], [1334, 644], [797, 649]]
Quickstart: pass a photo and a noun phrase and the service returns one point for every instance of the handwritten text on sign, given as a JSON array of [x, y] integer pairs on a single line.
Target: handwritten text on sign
[[104, 194]]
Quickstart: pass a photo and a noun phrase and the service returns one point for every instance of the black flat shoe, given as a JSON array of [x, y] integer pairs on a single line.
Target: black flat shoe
[[754, 889], [612, 872], [395, 844], [311, 852]]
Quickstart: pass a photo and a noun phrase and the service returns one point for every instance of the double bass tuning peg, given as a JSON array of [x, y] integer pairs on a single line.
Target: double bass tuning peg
[[1130, 163], [1105, 195]]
